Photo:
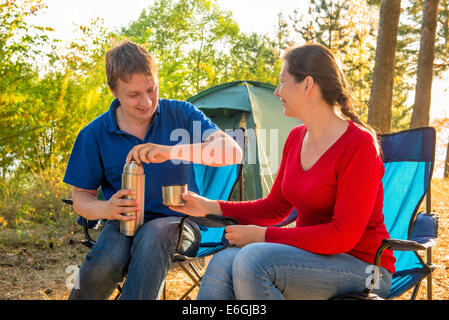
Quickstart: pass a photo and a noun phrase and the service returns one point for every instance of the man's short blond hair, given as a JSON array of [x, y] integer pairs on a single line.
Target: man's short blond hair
[[127, 59]]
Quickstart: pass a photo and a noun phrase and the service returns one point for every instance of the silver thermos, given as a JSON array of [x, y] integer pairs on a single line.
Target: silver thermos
[[133, 178]]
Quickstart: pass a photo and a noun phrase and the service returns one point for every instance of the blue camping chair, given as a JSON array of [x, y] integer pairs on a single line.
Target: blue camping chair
[[217, 183], [409, 162], [408, 158]]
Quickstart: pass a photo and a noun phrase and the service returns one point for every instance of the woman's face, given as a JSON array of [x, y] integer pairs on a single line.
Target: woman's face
[[289, 92]]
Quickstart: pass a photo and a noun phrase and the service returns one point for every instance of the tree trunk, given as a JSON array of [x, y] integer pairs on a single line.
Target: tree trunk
[[421, 107], [446, 163], [379, 105]]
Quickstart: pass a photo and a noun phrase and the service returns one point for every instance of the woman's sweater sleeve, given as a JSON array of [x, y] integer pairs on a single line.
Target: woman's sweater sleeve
[[267, 211], [359, 174]]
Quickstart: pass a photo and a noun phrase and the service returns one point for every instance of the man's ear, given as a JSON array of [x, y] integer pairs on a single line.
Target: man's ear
[[112, 91]]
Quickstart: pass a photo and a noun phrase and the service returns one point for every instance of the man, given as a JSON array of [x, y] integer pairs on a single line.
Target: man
[[139, 126]]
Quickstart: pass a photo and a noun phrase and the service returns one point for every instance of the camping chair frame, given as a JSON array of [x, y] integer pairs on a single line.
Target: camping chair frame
[[418, 243]]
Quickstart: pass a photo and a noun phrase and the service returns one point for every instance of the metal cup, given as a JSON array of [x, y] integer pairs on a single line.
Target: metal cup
[[171, 195]]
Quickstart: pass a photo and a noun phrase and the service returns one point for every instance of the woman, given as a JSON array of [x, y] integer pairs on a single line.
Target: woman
[[331, 172]]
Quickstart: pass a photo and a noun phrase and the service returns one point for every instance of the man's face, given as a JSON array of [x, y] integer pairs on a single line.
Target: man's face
[[138, 97]]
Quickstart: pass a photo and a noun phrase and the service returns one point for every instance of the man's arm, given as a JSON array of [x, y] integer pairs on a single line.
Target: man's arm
[[86, 204], [219, 149]]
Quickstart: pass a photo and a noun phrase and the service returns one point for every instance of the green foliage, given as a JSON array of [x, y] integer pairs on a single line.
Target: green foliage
[[198, 45], [17, 46], [183, 36], [33, 199], [48, 92], [41, 114], [43, 107]]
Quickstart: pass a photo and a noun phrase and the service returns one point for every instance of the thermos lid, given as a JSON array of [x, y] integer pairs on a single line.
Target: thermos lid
[[133, 168]]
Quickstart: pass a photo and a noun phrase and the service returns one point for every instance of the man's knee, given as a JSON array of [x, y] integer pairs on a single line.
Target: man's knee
[[103, 265], [158, 232]]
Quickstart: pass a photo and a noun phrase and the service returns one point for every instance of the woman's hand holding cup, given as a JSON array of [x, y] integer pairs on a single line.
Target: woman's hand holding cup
[[197, 206]]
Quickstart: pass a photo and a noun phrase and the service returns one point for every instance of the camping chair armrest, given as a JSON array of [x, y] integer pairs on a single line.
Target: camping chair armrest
[[425, 229], [396, 244], [402, 245], [399, 245], [422, 237], [89, 242], [68, 201], [210, 221]]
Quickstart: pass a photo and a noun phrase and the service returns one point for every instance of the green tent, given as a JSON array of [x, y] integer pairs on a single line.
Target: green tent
[[253, 106]]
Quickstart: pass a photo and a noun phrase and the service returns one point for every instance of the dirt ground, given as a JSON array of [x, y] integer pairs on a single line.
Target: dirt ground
[[30, 272]]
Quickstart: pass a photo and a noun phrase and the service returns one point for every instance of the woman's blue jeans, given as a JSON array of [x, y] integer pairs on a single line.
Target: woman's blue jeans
[[145, 258], [276, 271]]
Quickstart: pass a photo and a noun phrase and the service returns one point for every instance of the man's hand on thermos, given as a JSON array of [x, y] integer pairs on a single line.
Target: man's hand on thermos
[[116, 205]]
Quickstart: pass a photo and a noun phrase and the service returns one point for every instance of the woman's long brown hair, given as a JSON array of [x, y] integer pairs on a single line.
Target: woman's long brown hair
[[318, 62]]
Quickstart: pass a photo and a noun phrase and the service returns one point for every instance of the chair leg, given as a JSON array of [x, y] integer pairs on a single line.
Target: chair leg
[[429, 277], [429, 287], [188, 292], [195, 277], [195, 270], [119, 288], [415, 291]]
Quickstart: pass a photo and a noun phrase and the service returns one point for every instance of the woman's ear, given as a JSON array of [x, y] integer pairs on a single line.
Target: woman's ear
[[308, 84]]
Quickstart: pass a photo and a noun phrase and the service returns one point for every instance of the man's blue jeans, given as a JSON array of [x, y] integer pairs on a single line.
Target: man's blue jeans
[[145, 258], [276, 271]]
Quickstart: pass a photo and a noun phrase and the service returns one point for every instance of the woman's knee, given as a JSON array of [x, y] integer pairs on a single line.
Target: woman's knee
[[251, 259], [222, 262], [217, 281], [253, 274]]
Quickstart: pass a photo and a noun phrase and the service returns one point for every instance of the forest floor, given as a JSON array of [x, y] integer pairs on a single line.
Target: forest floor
[[43, 270]]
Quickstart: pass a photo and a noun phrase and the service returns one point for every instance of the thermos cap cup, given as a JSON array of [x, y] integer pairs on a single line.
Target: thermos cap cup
[[171, 195], [133, 168]]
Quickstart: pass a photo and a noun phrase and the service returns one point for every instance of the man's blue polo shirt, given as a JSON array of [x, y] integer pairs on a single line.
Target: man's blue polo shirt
[[100, 151]]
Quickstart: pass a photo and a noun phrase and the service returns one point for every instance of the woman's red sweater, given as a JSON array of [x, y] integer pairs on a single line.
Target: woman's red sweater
[[339, 199]]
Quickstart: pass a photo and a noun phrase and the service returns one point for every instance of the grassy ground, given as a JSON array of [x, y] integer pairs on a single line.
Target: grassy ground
[[34, 262]]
